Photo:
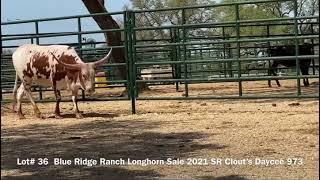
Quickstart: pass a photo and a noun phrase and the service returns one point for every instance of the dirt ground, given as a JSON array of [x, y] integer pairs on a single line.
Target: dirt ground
[[199, 132]]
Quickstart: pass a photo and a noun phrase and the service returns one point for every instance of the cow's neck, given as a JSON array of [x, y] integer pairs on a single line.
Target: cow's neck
[[75, 78]]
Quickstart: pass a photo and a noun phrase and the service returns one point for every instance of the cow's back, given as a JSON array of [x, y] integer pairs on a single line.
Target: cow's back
[[35, 63], [290, 50], [27, 53]]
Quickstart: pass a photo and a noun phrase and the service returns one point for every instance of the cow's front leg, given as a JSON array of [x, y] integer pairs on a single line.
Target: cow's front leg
[[58, 99], [305, 71], [269, 83], [75, 105]]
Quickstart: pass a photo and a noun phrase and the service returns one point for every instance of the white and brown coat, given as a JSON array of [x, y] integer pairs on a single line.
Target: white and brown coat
[[57, 66]]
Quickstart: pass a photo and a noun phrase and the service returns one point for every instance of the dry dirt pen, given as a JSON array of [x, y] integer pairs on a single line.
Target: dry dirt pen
[[237, 129]]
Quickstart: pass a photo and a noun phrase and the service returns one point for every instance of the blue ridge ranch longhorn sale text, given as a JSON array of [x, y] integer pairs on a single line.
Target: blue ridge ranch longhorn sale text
[[169, 161]]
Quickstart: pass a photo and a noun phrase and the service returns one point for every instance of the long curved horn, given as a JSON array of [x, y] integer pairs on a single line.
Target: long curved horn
[[103, 60], [68, 66]]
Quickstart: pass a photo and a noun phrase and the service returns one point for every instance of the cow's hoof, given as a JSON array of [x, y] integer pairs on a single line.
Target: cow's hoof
[[79, 116], [14, 108], [57, 116], [21, 116], [40, 116]]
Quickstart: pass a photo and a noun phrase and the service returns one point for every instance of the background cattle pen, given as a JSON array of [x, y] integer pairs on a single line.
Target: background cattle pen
[[185, 56]]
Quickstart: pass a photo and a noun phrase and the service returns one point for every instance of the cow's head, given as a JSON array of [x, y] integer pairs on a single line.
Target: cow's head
[[86, 71]]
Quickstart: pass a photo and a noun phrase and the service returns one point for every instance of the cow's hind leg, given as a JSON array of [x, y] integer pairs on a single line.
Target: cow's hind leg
[[58, 99], [273, 72], [304, 71], [15, 91], [306, 82], [75, 104], [35, 107], [20, 94], [269, 80]]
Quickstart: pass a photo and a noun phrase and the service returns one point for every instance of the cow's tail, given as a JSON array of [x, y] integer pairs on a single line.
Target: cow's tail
[[15, 90]]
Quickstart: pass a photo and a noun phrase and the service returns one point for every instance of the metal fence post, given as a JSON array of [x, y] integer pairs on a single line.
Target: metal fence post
[[238, 48], [36, 23], [1, 61], [174, 56], [80, 50], [132, 65], [126, 43], [312, 42], [177, 56], [269, 61], [184, 34], [224, 53], [296, 46], [134, 52]]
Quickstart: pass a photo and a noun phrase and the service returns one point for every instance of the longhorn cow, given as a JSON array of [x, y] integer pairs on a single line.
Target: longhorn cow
[[289, 50], [58, 66]]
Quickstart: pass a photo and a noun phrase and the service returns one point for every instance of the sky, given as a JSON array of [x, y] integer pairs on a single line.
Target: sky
[[12, 10], [26, 9]]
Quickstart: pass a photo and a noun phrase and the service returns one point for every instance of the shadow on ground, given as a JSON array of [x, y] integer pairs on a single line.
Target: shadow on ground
[[231, 177], [86, 115], [98, 139]]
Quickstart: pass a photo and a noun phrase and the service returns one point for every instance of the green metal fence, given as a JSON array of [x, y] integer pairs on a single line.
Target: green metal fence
[[192, 59]]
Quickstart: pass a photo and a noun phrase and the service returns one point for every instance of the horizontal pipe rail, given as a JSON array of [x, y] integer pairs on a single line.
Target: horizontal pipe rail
[[226, 79], [233, 23], [244, 97], [61, 34], [286, 58], [229, 41], [62, 18]]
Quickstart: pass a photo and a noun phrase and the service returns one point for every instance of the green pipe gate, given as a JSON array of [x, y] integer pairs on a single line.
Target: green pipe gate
[[192, 60]]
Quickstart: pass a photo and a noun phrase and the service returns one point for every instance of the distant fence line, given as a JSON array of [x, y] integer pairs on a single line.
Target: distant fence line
[[199, 59]]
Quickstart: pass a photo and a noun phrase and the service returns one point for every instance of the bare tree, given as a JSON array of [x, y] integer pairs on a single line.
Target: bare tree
[[113, 38]]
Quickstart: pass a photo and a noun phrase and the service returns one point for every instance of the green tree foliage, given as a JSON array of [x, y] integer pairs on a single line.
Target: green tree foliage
[[250, 12], [156, 19], [280, 10], [221, 14]]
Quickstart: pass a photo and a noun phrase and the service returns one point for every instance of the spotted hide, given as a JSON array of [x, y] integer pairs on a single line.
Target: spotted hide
[[55, 66]]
